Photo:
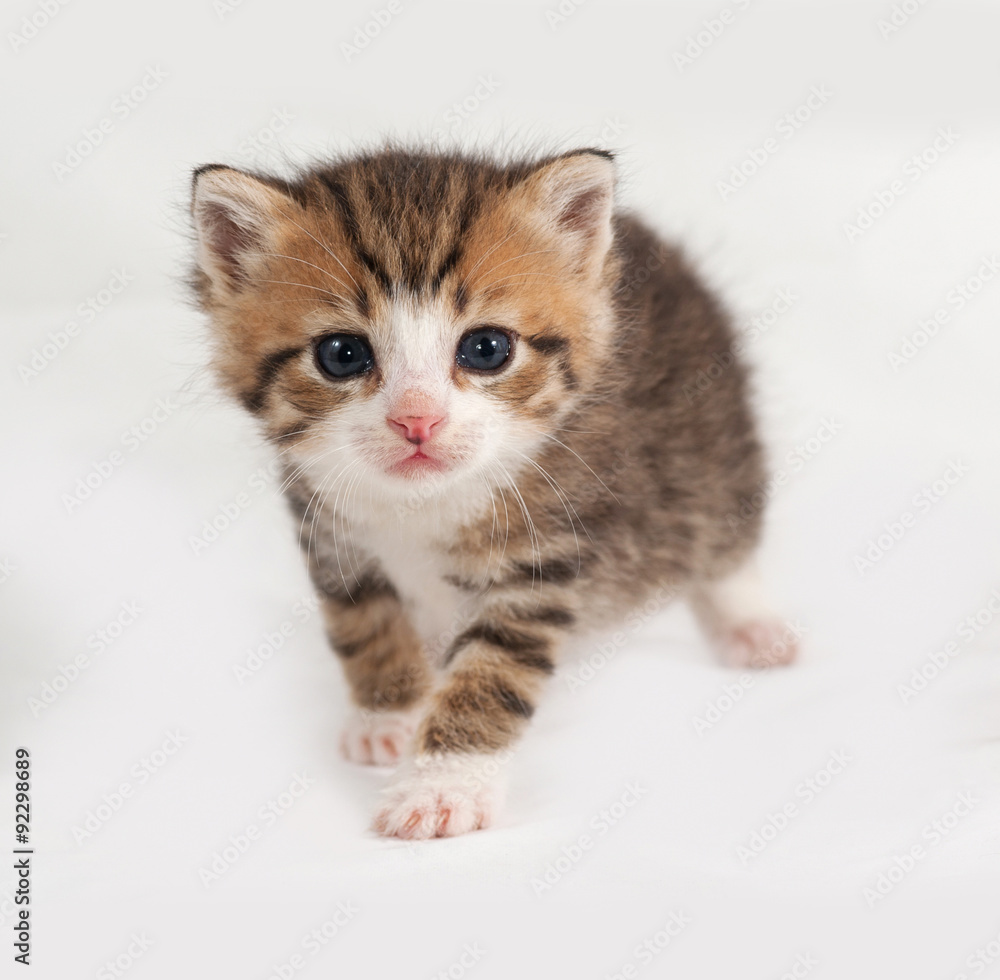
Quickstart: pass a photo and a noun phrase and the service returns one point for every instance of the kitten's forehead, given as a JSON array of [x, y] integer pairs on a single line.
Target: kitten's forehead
[[416, 335]]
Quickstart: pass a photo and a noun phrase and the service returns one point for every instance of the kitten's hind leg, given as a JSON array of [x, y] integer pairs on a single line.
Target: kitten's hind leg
[[738, 618]]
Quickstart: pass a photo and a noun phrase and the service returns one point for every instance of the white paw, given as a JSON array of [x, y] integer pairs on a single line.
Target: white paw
[[441, 796], [760, 643], [378, 738]]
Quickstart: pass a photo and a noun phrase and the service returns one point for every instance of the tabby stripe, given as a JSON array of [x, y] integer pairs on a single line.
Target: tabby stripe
[[350, 219], [290, 432], [451, 260], [267, 372], [549, 345], [362, 302], [369, 586], [547, 615], [462, 583], [556, 570], [523, 649], [511, 701]]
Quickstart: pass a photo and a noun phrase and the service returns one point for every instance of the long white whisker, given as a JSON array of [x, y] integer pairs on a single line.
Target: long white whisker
[[585, 463], [326, 248], [318, 268], [530, 526], [484, 256]]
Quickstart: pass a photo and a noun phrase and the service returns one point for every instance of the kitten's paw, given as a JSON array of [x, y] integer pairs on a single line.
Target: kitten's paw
[[440, 797], [378, 738], [760, 644]]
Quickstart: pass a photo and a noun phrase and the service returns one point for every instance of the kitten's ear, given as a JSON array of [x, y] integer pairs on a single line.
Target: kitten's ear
[[573, 198], [236, 216]]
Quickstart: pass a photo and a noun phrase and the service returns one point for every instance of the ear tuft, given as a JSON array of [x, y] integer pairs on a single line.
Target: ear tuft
[[235, 216]]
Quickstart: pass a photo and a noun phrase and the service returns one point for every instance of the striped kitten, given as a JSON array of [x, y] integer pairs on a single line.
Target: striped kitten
[[481, 378]]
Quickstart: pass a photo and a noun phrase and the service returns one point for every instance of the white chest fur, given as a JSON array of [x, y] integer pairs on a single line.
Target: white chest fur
[[414, 565]]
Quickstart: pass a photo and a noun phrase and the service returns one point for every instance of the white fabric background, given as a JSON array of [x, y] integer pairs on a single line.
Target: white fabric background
[[604, 74]]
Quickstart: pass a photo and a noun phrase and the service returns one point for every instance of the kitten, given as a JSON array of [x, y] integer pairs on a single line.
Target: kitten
[[480, 375]]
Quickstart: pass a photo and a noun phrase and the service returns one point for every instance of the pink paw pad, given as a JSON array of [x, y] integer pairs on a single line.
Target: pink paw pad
[[760, 644], [378, 739], [436, 799]]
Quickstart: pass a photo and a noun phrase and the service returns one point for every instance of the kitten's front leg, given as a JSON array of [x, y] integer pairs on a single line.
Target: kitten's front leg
[[385, 667], [454, 782]]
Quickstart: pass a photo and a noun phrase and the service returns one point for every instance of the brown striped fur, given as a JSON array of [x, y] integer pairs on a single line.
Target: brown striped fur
[[602, 355]]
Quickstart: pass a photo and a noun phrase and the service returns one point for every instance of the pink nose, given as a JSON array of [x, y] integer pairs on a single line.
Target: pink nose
[[416, 428]]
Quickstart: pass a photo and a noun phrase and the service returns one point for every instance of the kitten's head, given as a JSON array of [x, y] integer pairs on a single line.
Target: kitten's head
[[414, 317]]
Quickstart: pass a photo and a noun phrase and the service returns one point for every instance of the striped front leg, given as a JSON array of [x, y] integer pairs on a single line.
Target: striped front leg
[[384, 663], [497, 669]]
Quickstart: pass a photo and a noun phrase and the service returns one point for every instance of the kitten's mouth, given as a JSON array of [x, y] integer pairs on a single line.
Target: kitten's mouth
[[418, 463]]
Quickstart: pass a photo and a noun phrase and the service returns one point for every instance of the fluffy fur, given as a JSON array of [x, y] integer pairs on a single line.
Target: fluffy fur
[[560, 489]]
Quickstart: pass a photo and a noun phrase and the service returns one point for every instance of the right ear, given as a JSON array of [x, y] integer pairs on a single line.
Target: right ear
[[236, 217]]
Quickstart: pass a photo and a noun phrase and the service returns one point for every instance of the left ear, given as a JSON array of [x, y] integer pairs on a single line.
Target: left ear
[[572, 198]]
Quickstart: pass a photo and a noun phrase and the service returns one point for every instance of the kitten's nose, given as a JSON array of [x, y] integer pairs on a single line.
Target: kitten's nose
[[416, 428]]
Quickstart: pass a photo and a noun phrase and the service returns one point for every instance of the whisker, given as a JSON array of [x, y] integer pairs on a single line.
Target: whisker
[[293, 258], [539, 251], [304, 285], [585, 463], [483, 257], [326, 248]]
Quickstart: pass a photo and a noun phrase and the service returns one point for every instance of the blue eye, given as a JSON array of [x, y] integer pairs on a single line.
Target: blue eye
[[340, 355], [484, 349]]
